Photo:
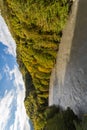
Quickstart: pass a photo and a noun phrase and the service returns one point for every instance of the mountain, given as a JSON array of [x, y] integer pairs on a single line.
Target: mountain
[[36, 26]]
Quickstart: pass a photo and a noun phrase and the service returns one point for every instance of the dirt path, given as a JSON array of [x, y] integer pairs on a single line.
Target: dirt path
[[68, 83]]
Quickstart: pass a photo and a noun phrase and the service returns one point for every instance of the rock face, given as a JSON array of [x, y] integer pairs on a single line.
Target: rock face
[[68, 83]]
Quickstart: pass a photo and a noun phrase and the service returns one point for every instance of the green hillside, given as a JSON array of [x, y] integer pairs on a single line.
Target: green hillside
[[36, 26]]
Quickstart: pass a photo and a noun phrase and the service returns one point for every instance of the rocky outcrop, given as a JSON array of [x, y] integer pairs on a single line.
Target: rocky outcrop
[[68, 82]]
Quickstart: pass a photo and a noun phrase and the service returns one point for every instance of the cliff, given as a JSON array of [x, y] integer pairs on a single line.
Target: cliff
[[68, 84]]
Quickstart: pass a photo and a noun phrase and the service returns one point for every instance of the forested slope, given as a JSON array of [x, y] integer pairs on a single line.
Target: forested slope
[[37, 27]]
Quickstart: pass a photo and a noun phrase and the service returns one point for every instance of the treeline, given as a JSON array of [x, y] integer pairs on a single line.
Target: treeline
[[57, 119], [37, 27]]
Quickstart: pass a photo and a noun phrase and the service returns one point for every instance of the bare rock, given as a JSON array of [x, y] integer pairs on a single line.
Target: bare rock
[[68, 82]]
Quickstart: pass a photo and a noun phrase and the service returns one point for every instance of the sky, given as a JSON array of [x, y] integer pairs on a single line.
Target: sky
[[12, 90]]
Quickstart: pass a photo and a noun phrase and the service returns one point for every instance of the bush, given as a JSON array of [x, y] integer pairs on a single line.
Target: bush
[[62, 120]]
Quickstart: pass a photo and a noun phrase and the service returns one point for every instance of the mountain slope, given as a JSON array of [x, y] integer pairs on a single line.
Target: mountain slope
[[69, 86], [36, 26]]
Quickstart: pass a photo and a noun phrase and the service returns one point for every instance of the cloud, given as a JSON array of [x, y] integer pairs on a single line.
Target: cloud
[[0, 76], [5, 108], [21, 121], [7, 70], [18, 80], [6, 38]]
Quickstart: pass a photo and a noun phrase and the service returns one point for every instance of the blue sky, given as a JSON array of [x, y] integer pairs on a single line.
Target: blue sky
[[12, 111]]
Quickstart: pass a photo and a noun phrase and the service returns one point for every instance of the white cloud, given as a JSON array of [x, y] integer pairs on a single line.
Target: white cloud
[[21, 119], [17, 78], [5, 109], [0, 76], [7, 70], [6, 38]]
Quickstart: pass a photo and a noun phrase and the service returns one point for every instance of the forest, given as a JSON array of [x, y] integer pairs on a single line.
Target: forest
[[36, 26]]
